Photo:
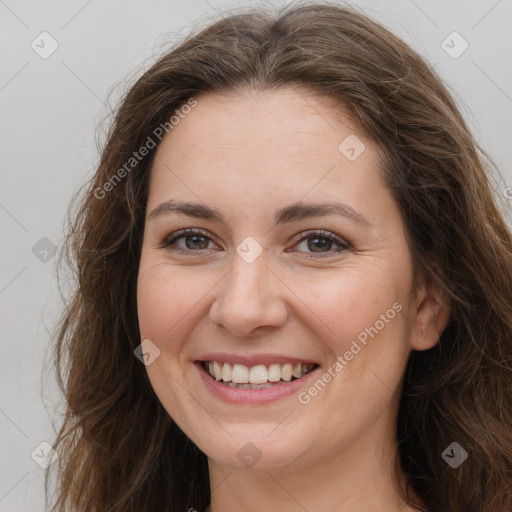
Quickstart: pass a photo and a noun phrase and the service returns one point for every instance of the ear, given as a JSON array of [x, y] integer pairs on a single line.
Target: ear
[[431, 315]]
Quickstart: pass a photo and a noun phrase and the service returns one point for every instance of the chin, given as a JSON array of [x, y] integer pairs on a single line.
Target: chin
[[254, 446]]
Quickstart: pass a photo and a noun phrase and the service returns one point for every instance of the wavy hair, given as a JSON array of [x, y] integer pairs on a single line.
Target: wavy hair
[[119, 451]]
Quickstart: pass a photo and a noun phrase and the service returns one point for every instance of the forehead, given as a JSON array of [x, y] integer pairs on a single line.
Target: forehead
[[269, 120], [265, 147]]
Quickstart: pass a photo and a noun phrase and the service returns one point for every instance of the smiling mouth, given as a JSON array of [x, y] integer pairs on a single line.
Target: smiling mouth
[[256, 377]]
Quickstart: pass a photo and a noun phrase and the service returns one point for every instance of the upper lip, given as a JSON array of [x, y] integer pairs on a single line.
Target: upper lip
[[254, 359]]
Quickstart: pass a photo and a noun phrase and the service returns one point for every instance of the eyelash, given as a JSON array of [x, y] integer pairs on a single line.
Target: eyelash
[[343, 244]]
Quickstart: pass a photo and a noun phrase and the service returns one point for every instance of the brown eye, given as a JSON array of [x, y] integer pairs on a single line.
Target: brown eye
[[321, 242], [193, 240], [317, 244], [196, 241]]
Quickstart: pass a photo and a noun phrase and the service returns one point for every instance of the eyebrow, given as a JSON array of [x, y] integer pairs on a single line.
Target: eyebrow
[[293, 212]]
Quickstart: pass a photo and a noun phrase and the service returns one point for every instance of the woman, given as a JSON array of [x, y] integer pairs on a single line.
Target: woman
[[294, 285]]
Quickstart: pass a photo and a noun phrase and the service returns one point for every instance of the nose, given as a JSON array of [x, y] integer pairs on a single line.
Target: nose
[[249, 299]]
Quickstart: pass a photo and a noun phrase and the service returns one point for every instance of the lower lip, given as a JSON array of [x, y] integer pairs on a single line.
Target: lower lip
[[253, 396]]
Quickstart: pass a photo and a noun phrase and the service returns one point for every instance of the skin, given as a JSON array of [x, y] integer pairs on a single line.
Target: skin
[[248, 155]]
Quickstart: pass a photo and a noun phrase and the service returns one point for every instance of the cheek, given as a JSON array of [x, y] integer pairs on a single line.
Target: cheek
[[165, 301], [367, 348], [348, 302], [362, 314]]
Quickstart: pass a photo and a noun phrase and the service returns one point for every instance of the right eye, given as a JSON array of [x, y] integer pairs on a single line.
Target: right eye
[[195, 240]]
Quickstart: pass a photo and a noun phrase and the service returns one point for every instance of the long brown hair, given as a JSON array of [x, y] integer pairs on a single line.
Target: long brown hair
[[118, 448]]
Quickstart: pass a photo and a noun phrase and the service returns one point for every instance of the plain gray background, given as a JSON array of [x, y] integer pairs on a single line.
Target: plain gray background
[[50, 110]]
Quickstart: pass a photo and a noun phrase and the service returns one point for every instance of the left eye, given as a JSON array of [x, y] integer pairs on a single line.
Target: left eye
[[197, 241], [316, 241]]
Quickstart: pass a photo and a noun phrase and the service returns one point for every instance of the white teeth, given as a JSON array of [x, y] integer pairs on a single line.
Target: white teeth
[[258, 374], [256, 377], [227, 370], [240, 374], [286, 372], [217, 371], [274, 373]]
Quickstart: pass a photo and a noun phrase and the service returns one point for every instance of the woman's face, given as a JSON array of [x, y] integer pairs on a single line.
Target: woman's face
[[242, 294]]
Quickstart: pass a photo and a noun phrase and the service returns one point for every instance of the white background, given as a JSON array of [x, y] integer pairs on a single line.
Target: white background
[[50, 110]]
